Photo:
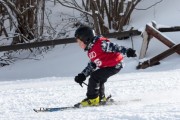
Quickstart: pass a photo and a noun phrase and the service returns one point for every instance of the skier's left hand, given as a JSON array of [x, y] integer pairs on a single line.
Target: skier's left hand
[[131, 53]]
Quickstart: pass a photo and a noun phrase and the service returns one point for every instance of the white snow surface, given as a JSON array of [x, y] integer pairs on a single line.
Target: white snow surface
[[49, 82]]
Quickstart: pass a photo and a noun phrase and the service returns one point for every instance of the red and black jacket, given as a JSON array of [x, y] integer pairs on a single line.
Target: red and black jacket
[[103, 53]]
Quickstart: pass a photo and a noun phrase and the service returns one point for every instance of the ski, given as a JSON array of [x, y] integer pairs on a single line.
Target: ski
[[109, 101], [76, 106], [42, 109]]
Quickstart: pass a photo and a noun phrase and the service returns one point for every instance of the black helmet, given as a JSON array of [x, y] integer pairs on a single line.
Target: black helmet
[[85, 34]]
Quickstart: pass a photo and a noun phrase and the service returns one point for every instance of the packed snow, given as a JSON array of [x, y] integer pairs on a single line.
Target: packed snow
[[49, 82]]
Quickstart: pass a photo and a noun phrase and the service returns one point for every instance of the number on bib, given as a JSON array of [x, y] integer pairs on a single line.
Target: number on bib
[[98, 62]]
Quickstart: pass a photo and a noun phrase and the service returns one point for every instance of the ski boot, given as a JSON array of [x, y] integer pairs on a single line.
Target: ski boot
[[88, 102]]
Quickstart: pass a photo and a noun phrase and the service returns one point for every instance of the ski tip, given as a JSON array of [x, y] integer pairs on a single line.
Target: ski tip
[[35, 110]]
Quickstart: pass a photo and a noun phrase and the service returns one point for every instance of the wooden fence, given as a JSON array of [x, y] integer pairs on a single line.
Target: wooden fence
[[64, 41], [153, 32], [120, 35]]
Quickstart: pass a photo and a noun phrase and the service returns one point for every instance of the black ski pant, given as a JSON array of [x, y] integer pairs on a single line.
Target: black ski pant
[[97, 79]]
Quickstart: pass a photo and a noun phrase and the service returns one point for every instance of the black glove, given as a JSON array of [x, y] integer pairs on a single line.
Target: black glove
[[80, 78], [131, 53]]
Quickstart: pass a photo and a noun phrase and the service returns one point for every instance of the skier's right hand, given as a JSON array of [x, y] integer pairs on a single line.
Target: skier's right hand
[[80, 78]]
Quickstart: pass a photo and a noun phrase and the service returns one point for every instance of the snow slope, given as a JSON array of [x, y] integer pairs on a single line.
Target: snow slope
[[158, 92], [48, 82]]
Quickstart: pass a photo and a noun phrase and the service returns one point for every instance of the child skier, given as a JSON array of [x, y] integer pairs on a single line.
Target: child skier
[[104, 55]]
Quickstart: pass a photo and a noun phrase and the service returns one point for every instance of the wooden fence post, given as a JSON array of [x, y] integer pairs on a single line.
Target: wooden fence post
[[146, 39], [145, 43]]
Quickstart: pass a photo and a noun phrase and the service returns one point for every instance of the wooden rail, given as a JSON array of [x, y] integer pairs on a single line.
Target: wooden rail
[[63, 41], [157, 34], [155, 60]]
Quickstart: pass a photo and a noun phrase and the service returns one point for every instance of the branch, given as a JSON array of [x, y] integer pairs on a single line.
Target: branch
[[75, 8], [149, 6], [12, 5]]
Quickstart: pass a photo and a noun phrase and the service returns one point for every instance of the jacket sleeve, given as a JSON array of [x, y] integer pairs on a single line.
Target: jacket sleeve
[[89, 69], [113, 47]]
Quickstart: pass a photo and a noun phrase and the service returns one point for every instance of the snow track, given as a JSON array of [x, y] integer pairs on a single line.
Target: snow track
[[158, 91]]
